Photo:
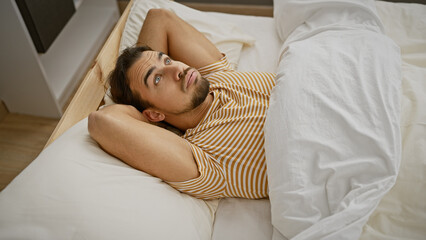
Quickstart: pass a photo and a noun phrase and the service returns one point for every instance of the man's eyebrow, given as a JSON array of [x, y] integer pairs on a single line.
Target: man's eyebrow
[[145, 79]]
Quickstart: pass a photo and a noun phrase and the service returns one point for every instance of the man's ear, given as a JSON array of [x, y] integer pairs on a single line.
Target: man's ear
[[153, 115]]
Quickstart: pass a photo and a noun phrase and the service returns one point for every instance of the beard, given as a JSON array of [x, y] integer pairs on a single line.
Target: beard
[[200, 92]]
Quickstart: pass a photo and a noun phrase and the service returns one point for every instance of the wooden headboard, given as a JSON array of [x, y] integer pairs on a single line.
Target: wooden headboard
[[93, 87]]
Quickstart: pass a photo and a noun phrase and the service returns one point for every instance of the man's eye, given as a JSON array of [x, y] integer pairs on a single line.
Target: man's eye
[[157, 80], [167, 61]]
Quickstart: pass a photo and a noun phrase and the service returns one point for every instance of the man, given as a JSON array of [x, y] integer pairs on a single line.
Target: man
[[187, 83]]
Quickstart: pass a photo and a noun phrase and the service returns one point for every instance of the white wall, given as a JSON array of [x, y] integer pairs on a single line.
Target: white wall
[[23, 86], [40, 84]]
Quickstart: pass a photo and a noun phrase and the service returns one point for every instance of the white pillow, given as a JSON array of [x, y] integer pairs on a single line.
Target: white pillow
[[227, 37], [74, 190]]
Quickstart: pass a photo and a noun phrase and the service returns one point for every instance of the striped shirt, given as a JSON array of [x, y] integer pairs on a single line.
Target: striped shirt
[[228, 143]]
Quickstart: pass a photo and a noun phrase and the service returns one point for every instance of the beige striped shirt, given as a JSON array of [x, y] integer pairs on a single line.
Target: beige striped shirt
[[228, 143]]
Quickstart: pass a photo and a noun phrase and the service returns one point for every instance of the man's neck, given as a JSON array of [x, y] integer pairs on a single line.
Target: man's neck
[[192, 118]]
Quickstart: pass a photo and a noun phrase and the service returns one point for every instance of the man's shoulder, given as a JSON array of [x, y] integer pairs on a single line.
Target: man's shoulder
[[222, 65]]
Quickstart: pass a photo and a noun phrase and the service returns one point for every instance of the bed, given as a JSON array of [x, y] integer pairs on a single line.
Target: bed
[[74, 190]]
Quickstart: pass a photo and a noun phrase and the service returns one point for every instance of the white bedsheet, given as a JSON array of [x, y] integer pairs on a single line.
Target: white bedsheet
[[332, 134], [402, 212]]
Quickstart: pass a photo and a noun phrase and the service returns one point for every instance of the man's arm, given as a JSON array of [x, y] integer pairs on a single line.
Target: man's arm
[[123, 131], [165, 32]]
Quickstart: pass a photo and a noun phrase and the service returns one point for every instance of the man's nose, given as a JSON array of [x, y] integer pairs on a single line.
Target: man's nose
[[175, 72]]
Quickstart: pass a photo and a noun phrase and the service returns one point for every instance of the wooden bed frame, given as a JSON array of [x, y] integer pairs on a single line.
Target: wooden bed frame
[[91, 91]]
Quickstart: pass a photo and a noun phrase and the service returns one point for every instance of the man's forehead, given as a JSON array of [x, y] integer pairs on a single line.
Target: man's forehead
[[146, 58], [138, 69]]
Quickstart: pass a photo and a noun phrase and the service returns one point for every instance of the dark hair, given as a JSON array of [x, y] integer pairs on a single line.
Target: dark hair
[[119, 82]]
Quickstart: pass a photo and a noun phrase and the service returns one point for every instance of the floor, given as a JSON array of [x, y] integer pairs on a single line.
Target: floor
[[22, 138]]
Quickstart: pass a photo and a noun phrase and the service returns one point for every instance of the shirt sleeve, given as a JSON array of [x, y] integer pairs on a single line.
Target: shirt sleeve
[[211, 182], [218, 66]]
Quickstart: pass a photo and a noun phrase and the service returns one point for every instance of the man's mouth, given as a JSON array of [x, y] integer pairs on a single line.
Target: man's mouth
[[190, 77]]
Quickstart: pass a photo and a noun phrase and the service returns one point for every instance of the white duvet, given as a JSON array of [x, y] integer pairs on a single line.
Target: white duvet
[[332, 135]]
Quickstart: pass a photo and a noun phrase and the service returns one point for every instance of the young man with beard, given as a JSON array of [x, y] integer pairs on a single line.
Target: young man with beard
[[183, 80]]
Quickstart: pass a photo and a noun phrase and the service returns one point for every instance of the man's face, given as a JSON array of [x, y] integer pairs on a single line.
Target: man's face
[[170, 86]]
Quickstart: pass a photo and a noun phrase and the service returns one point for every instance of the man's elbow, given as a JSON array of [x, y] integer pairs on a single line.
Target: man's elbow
[[102, 121], [93, 124], [159, 13]]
